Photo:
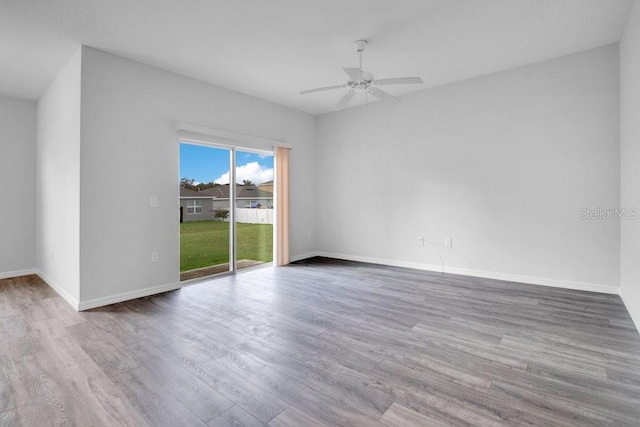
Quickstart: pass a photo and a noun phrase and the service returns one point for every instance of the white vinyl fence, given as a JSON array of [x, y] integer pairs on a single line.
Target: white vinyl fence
[[254, 216]]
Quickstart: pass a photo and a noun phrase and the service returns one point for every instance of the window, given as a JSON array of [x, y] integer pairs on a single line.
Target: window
[[194, 206]]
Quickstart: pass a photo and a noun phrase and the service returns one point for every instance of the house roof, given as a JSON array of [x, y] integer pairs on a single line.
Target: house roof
[[185, 192], [252, 192], [222, 192]]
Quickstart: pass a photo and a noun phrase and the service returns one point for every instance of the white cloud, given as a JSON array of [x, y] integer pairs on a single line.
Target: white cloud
[[252, 171]]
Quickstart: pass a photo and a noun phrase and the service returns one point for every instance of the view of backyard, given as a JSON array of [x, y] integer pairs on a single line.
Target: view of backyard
[[210, 187], [206, 243]]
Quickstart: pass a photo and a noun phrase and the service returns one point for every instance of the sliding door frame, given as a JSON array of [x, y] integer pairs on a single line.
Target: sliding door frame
[[232, 210], [233, 147], [202, 135]]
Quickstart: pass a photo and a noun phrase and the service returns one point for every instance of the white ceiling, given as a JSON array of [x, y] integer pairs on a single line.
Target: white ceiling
[[274, 49]]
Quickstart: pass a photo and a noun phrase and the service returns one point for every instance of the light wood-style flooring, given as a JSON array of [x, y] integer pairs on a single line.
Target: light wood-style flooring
[[321, 342]]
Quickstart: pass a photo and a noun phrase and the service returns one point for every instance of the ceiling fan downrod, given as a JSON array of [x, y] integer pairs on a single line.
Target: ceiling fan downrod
[[360, 46]]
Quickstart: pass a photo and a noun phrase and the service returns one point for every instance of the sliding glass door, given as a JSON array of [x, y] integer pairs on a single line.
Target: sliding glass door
[[226, 209], [205, 211], [254, 208]]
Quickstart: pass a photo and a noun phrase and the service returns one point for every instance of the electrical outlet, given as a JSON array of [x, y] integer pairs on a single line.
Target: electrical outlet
[[155, 257], [153, 202], [448, 242]]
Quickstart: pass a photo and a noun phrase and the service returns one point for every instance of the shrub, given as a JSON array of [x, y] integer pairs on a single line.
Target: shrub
[[221, 213]]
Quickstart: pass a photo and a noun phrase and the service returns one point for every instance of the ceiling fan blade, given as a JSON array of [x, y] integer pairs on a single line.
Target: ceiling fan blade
[[345, 100], [320, 89], [354, 73], [400, 81], [378, 93]]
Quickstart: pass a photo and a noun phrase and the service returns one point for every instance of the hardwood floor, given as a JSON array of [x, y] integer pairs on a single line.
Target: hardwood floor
[[321, 342]]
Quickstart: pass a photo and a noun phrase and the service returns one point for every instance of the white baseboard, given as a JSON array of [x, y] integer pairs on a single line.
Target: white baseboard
[[556, 283], [383, 261], [635, 315], [59, 289], [99, 302], [543, 281], [18, 273], [300, 257], [126, 296]]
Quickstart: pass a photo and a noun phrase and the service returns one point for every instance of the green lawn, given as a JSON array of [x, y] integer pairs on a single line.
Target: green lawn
[[206, 243]]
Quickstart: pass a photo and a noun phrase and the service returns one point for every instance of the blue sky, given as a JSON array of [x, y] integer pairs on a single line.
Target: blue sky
[[205, 164]]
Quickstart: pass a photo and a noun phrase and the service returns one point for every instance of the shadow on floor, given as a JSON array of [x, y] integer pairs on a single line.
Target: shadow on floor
[[216, 269]]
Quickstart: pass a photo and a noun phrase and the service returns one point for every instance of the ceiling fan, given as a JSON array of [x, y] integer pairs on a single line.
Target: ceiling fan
[[362, 81]]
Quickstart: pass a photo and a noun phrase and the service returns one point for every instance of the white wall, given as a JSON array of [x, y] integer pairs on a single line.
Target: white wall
[[58, 182], [630, 160], [501, 163], [17, 186], [129, 154]]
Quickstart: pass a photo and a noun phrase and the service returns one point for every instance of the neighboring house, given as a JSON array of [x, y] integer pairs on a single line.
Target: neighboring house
[[195, 205], [201, 205], [250, 196], [266, 186]]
